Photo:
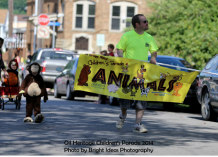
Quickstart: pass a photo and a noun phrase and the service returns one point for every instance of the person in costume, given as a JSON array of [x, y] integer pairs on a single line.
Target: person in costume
[[33, 88]]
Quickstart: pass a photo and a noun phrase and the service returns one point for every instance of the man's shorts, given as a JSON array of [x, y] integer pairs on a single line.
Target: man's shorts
[[125, 103]]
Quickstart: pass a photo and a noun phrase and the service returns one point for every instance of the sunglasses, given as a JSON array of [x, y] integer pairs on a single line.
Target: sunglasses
[[146, 21]]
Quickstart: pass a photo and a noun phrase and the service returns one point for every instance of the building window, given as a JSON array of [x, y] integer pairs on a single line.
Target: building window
[[129, 14], [82, 43], [121, 15], [48, 9], [55, 8], [115, 25], [84, 12], [31, 10], [91, 16], [79, 16]]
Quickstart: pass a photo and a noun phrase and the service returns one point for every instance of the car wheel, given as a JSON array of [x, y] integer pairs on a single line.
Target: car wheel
[[56, 95], [69, 94], [113, 101], [206, 108], [168, 106]]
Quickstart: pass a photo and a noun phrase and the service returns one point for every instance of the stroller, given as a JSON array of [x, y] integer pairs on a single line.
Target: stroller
[[10, 89]]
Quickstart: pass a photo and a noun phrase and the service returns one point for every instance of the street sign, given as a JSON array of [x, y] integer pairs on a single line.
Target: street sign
[[43, 32], [60, 15], [54, 24], [100, 39], [43, 19], [10, 40]]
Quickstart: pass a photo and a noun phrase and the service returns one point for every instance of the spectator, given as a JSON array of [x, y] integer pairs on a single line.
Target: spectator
[[29, 57], [17, 55], [110, 50], [2, 66], [104, 53]]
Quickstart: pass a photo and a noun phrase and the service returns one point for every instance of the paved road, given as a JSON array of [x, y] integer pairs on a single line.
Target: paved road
[[69, 122]]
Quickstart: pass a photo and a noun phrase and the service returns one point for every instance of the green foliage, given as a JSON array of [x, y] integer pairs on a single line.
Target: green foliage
[[185, 28], [19, 6]]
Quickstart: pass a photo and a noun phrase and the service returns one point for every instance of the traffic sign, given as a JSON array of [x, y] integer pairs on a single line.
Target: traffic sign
[[100, 39], [54, 24], [43, 32], [43, 19]]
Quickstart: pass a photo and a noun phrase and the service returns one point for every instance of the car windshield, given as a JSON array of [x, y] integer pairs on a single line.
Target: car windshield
[[175, 62], [56, 55], [211, 62]]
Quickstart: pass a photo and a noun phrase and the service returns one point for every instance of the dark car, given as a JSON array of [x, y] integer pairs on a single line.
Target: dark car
[[175, 61], [190, 98], [207, 92], [64, 82]]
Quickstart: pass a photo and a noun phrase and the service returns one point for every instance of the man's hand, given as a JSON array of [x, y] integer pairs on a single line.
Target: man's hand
[[6, 74], [120, 52], [153, 57], [153, 60]]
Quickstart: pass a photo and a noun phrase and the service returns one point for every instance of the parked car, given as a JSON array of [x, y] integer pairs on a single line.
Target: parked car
[[50, 59], [207, 92], [64, 82], [176, 61]]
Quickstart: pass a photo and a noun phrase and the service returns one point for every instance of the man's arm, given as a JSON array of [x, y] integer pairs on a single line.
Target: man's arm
[[120, 52], [153, 57]]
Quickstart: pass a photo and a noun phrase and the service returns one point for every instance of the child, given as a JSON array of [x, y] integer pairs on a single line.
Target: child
[[110, 49], [12, 79], [33, 88]]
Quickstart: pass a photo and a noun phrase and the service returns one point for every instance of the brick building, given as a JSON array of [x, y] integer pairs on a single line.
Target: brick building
[[19, 34], [84, 19]]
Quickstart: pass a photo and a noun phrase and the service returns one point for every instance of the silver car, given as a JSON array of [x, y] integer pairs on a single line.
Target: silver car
[[207, 92]]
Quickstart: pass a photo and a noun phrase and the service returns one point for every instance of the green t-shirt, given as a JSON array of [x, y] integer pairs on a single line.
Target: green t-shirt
[[136, 46]]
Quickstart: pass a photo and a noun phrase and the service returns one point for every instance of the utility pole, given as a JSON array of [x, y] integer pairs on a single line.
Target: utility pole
[[10, 29], [40, 10], [35, 27]]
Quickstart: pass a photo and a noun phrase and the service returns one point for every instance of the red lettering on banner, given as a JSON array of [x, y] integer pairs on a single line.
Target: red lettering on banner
[[152, 85], [134, 83], [100, 76], [113, 77], [125, 80], [160, 87], [170, 88]]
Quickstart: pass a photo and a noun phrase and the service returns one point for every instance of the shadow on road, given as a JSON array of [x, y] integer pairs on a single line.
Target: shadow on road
[[83, 120]]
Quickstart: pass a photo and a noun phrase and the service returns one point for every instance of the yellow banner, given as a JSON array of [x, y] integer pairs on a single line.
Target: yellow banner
[[131, 79]]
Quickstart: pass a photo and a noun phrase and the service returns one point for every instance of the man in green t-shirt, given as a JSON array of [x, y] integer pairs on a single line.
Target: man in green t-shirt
[[135, 44]]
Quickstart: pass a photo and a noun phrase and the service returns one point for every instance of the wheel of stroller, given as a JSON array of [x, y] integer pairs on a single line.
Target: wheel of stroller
[[3, 104], [18, 105]]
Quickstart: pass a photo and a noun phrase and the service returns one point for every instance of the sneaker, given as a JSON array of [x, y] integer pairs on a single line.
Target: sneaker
[[140, 128], [119, 123]]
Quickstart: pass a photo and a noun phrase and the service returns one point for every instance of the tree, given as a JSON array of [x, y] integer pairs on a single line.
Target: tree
[[19, 6], [185, 28]]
